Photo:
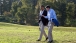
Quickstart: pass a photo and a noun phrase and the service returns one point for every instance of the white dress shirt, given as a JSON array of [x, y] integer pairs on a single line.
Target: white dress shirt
[[41, 12]]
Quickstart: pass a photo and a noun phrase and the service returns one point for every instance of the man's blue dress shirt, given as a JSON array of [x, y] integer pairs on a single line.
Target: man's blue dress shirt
[[51, 15]]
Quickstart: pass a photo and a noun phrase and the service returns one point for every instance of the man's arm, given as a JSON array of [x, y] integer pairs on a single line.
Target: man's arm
[[54, 15], [48, 16], [39, 18], [45, 16]]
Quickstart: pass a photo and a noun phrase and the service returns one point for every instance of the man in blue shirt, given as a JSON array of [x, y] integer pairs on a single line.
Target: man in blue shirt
[[50, 15]]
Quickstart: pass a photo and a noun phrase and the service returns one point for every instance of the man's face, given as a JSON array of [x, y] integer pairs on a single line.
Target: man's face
[[47, 9], [42, 8]]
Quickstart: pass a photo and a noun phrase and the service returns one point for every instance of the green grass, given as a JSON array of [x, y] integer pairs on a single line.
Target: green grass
[[13, 33]]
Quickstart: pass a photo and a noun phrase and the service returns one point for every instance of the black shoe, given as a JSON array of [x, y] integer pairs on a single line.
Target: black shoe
[[46, 38], [50, 41], [38, 40]]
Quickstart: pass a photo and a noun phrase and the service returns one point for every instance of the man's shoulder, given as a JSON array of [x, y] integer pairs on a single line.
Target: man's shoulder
[[52, 9], [44, 10]]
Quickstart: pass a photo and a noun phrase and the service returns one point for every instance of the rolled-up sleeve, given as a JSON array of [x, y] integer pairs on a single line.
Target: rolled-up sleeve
[[45, 16], [48, 16]]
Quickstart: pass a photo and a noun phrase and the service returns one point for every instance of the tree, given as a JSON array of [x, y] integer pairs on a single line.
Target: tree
[[21, 15], [14, 8], [70, 13]]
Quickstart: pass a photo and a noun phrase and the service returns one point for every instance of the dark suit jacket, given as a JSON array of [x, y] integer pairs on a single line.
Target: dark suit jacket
[[44, 20]]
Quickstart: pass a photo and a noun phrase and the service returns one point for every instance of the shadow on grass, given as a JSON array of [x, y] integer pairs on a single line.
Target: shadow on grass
[[54, 41]]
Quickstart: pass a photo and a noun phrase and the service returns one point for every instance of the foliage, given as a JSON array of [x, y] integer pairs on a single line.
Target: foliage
[[27, 12]]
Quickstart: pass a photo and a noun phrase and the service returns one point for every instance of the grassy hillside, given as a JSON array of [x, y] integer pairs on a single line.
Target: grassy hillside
[[13, 33]]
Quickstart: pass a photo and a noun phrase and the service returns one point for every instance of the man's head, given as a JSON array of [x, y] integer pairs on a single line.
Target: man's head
[[42, 7], [47, 7]]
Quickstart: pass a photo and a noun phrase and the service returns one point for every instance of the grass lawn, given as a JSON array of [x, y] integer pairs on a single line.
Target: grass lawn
[[13, 33]]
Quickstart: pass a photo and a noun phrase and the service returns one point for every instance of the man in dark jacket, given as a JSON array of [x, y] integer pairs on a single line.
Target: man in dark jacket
[[42, 22]]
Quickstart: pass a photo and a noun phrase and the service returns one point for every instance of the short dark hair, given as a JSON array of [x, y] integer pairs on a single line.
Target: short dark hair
[[42, 6], [47, 6]]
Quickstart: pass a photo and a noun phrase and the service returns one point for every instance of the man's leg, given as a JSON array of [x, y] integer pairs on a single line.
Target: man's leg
[[45, 34], [42, 31], [50, 27]]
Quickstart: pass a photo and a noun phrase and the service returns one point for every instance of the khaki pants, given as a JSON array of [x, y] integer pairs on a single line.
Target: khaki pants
[[42, 32], [50, 27]]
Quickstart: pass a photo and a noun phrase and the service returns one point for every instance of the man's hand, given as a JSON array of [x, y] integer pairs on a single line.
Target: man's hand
[[42, 15]]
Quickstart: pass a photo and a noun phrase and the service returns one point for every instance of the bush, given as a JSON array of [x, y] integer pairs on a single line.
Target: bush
[[2, 18], [73, 22]]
